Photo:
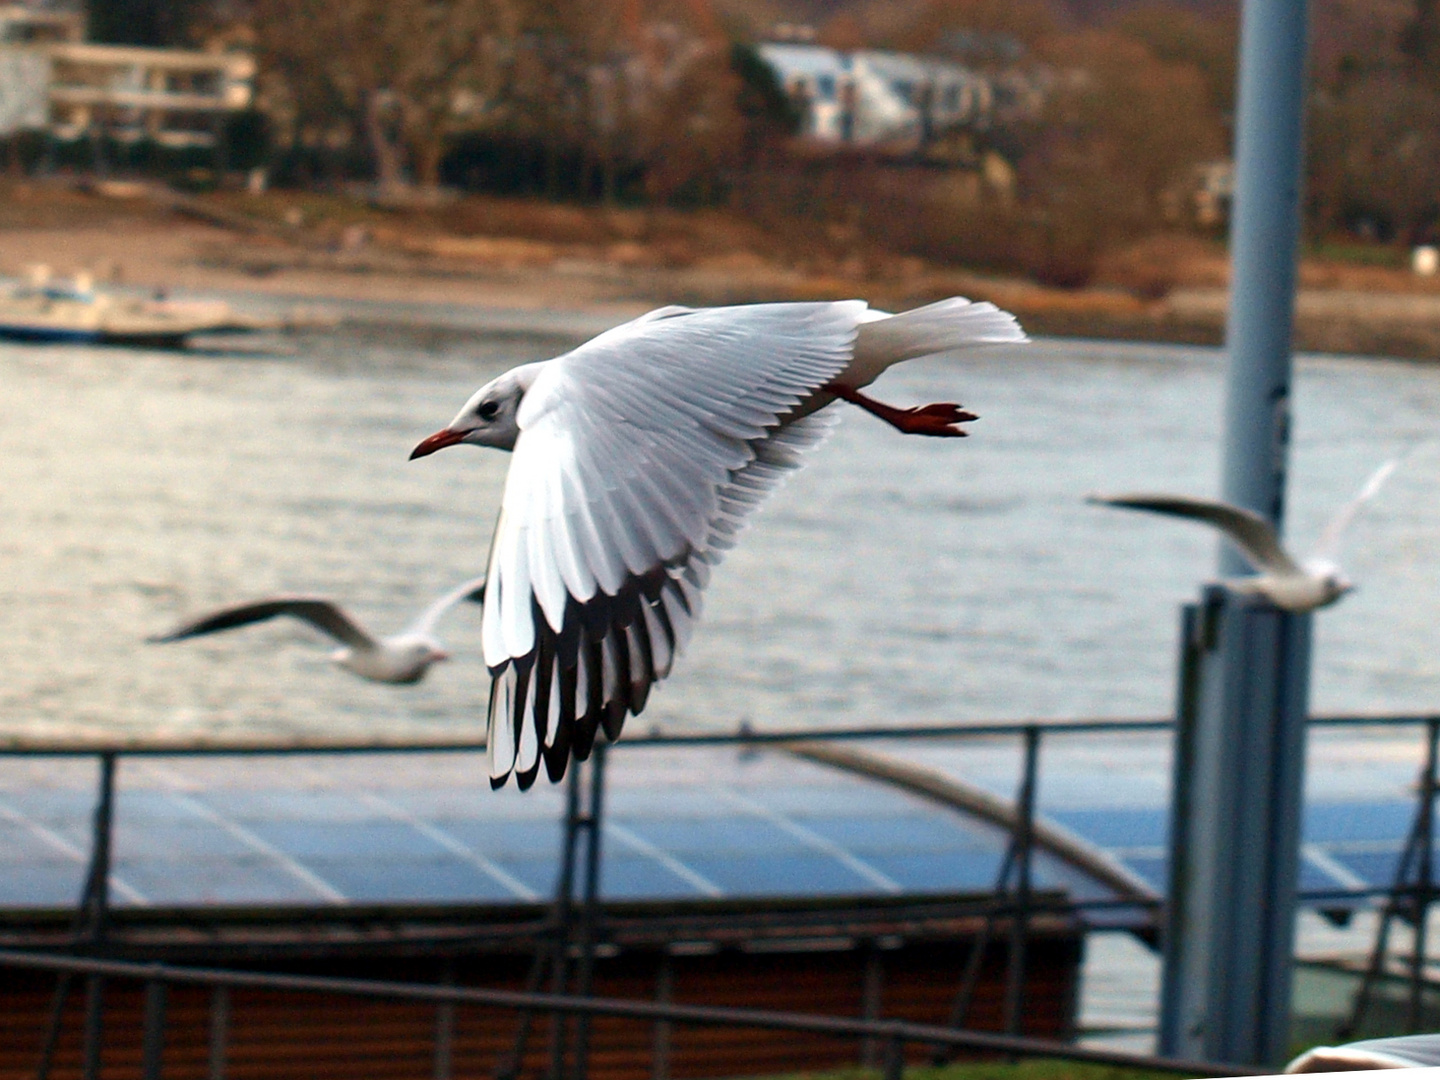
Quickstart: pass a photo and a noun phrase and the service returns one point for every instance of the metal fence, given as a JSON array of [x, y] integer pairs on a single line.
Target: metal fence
[[574, 921]]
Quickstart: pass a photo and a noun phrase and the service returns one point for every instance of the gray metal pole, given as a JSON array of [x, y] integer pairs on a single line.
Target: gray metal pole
[[1264, 239], [1240, 749]]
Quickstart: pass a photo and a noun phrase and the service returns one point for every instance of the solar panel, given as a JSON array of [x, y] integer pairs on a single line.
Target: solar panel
[[680, 824]]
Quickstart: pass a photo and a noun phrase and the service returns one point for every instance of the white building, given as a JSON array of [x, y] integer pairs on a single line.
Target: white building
[[168, 96], [24, 67], [51, 80], [871, 97]]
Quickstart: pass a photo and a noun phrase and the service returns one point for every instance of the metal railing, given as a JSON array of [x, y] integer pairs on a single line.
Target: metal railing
[[895, 1035], [568, 951]]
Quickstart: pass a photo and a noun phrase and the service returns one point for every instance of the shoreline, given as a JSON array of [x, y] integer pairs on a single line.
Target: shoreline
[[582, 291]]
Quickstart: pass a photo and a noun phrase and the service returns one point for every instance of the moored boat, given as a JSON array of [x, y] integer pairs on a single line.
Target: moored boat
[[55, 310]]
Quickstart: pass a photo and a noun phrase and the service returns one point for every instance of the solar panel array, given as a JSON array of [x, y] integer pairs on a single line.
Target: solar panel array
[[712, 823]]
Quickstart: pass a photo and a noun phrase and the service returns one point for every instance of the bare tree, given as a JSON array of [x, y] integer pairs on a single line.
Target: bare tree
[[400, 74]]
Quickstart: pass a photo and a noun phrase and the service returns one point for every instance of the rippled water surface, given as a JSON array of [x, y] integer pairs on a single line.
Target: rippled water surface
[[895, 580]]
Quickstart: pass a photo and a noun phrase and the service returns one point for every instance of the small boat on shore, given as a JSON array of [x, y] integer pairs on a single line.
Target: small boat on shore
[[46, 309]]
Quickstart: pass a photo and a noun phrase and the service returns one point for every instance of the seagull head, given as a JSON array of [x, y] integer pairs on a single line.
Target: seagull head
[[489, 418], [1331, 579]]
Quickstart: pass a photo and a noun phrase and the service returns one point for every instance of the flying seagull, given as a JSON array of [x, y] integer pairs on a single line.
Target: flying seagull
[[1290, 585], [400, 658], [637, 459]]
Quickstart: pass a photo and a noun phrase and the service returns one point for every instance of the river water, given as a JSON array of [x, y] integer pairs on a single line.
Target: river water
[[893, 581]]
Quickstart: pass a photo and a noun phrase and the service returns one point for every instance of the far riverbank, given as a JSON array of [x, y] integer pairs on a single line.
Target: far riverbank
[[606, 265]]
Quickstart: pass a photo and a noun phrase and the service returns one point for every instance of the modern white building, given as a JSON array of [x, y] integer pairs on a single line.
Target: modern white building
[[52, 81], [168, 96]]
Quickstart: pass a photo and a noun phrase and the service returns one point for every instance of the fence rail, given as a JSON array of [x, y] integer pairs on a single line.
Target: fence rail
[[27, 746], [895, 1034]]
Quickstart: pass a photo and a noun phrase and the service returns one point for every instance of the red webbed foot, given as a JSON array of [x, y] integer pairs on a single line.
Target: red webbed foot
[[941, 419]]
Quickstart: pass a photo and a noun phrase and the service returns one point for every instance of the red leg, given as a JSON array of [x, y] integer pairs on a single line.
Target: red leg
[[940, 419]]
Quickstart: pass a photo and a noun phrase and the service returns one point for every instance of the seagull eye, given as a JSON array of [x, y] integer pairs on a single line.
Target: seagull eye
[[488, 410]]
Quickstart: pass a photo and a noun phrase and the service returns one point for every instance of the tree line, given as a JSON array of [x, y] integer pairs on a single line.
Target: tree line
[[661, 100]]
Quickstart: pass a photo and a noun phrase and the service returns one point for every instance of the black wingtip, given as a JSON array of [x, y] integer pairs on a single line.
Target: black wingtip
[[557, 759], [497, 782], [526, 779]]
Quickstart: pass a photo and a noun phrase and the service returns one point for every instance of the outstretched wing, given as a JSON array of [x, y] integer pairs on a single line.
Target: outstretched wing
[[318, 612], [1251, 533], [1329, 546], [640, 457], [424, 624]]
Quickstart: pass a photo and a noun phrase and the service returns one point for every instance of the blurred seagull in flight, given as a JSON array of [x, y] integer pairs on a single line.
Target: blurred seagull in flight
[[638, 458], [401, 658], [1289, 585]]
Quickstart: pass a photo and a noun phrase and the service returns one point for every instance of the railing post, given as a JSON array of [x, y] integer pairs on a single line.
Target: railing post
[[564, 904], [97, 915], [219, 1032], [94, 1029], [970, 977], [871, 991], [1425, 827], [1020, 915], [445, 1026], [95, 902], [894, 1058], [589, 912], [90, 927], [664, 993], [153, 1042]]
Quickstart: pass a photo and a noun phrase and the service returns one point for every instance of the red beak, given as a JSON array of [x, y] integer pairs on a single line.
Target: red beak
[[441, 439]]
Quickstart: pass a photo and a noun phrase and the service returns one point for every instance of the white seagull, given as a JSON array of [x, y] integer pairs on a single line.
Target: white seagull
[[400, 658], [1289, 585], [638, 458]]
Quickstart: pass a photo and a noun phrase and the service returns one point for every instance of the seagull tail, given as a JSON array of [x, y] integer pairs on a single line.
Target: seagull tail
[[955, 323]]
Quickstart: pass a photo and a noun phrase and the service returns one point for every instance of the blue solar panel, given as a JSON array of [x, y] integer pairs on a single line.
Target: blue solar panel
[[42, 883], [680, 825], [1378, 867], [184, 880], [627, 876], [1358, 821], [783, 873], [912, 832], [505, 840], [1118, 827], [1151, 870], [939, 872], [312, 840], [435, 880], [139, 840], [18, 843]]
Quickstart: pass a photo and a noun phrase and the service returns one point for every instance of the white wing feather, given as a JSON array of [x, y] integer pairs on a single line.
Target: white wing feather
[[424, 623], [1329, 546], [626, 442]]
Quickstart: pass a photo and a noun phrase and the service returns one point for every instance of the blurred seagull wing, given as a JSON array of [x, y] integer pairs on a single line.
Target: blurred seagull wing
[[424, 624], [1250, 532], [641, 455], [318, 612], [1329, 546]]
